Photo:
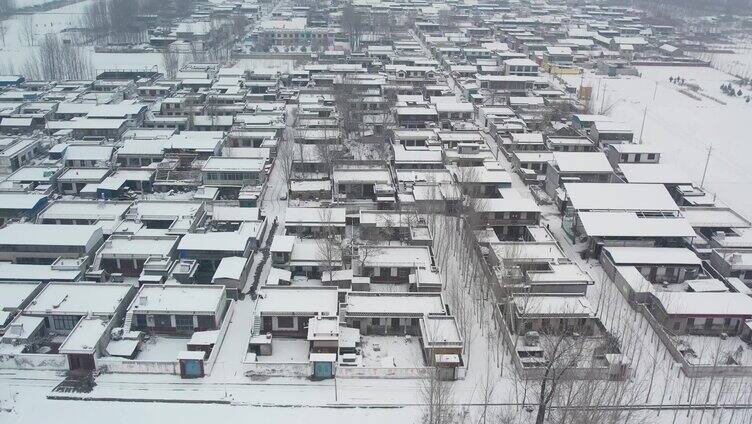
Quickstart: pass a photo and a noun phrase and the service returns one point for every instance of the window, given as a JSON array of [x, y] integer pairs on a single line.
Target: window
[[285, 322], [162, 321], [140, 321], [676, 326], [727, 322], [205, 322], [64, 323], [375, 321], [690, 322], [184, 322]]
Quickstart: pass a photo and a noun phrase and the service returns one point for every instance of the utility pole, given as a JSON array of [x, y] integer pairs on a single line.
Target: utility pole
[[656, 90], [705, 170], [642, 127]]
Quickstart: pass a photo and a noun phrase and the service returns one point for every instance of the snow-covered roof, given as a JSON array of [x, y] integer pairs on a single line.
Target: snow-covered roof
[[629, 224], [513, 204], [654, 173], [315, 216], [569, 306], [582, 162], [619, 197], [394, 304], [33, 272], [126, 247], [84, 209], [12, 295], [714, 217], [85, 336], [719, 304], [181, 298], [231, 268], [216, 163], [79, 299], [20, 201], [628, 255], [398, 256], [305, 301], [215, 241], [440, 331], [22, 234]]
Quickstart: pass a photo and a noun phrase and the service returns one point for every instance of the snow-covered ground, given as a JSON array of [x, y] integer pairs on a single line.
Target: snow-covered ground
[[683, 127], [391, 351], [162, 349]]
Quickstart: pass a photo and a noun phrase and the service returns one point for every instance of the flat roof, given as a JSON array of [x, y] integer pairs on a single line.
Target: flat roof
[[24, 234], [216, 241], [714, 217], [216, 163], [193, 298], [553, 305], [125, 246], [317, 215], [12, 295], [377, 303], [628, 224], [719, 304], [231, 267], [34, 272], [514, 204], [297, 301], [85, 336], [654, 173], [527, 251], [85, 209], [619, 197], [440, 330], [78, 299], [399, 256], [582, 162], [20, 201], [627, 255]]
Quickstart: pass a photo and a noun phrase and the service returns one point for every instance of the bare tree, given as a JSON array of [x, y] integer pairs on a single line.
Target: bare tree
[[27, 29], [351, 23], [171, 61], [345, 98], [3, 31], [284, 159], [54, 60], [563, 353], [437, 397], [329, 244], [7, 7]]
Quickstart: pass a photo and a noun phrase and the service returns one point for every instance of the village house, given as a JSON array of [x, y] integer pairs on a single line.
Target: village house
[[43, 244], [176, 309], [286, 311], [391, 313]]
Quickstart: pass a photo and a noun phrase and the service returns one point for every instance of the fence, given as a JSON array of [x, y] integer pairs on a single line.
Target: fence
[[138, 367], [369, 372], [35, 361], [692, 370], [220, 337], [269, 369], [537, 373]]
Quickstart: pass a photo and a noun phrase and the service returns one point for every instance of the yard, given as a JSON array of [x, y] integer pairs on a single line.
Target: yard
[[392, 352]]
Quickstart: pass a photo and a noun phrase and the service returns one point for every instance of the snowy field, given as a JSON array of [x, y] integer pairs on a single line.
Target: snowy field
[[684, 128]]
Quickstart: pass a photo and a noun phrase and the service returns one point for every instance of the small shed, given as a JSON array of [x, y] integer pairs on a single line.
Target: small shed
[[323, 364], [191, 364]]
